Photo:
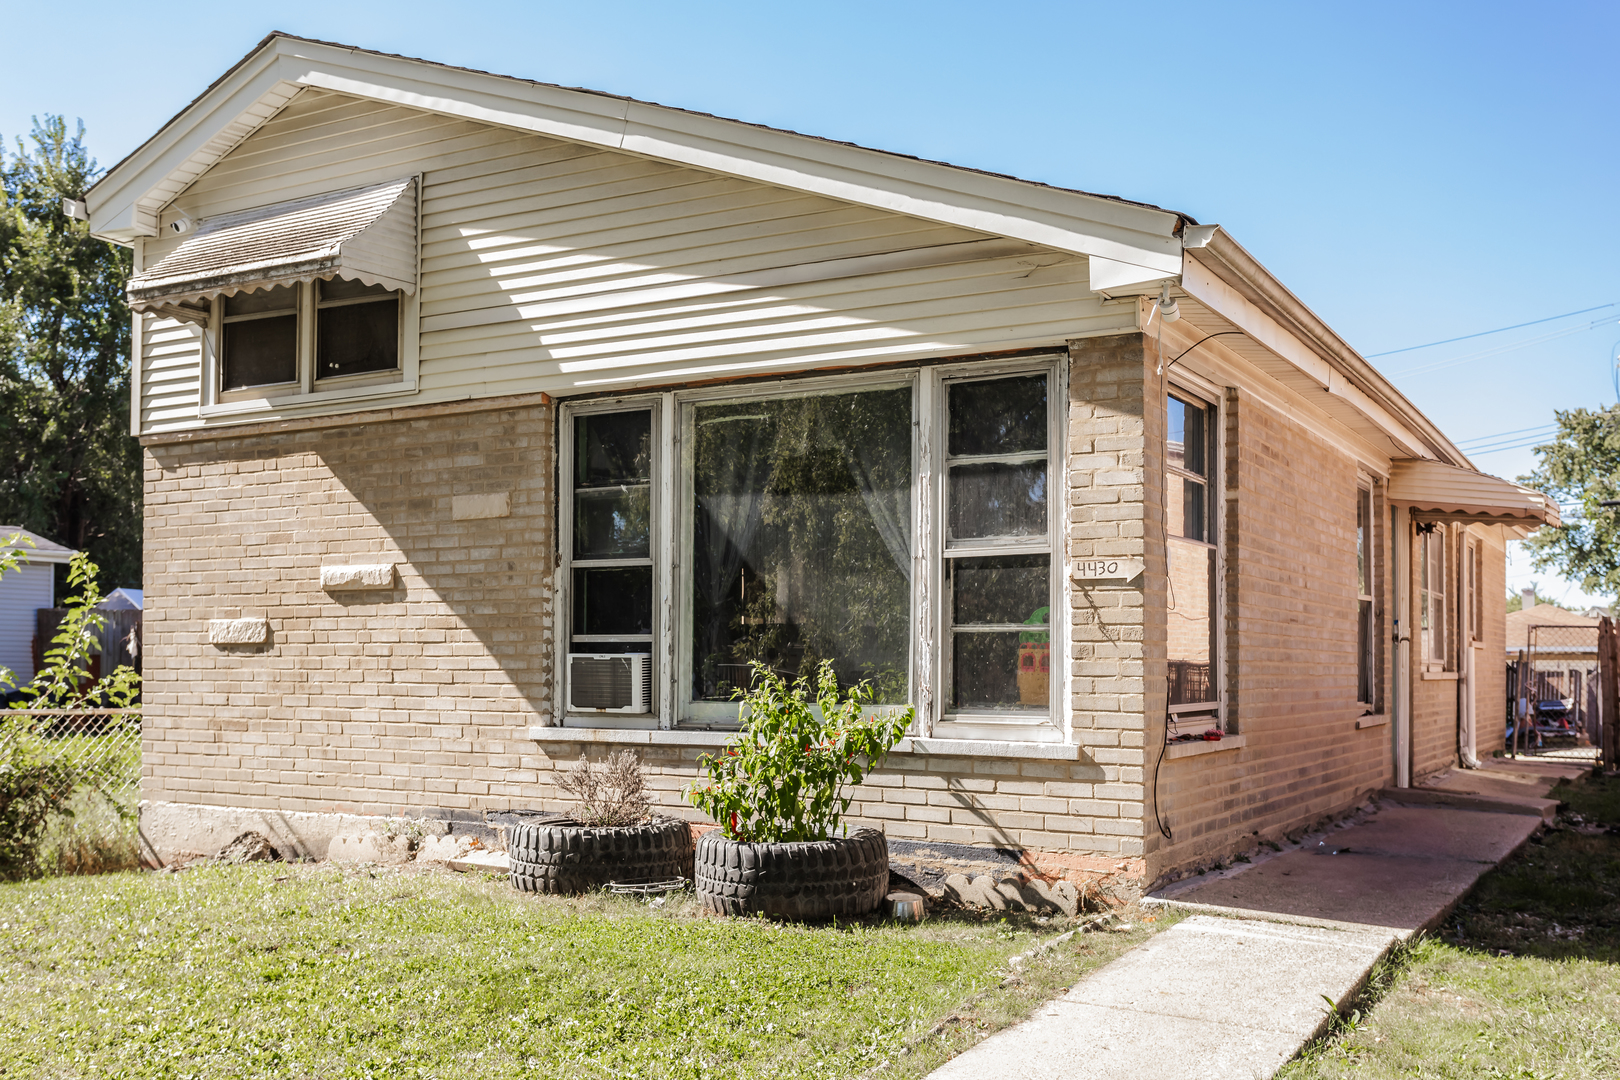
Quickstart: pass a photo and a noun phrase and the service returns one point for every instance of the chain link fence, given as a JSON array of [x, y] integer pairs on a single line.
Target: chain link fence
[[69, 790], [1554, 692]]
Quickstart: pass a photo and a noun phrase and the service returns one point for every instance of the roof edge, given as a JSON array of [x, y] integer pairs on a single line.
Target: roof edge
[[1233, 264]]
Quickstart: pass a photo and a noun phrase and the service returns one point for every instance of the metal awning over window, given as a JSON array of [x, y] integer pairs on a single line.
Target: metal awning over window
[[1436, 491], [365, 234]]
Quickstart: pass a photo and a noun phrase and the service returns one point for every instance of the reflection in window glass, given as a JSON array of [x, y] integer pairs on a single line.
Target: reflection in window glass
[[802, 540], [1000, 605], [991, 499], [353, 339], [1191, 554], [998, 416], [613, 485], [612, 581]]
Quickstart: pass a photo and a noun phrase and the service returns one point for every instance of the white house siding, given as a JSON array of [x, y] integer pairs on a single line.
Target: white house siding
[[550, 266], [22, 592]]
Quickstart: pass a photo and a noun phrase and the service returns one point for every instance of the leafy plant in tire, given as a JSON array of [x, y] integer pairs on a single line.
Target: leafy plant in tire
[[782, 778]]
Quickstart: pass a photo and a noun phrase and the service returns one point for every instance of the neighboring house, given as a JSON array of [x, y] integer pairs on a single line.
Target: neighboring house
[[487, 422], [24, 592]]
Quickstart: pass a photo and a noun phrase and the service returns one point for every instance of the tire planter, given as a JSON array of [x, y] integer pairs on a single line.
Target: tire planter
[[810, 880], [566, 857]]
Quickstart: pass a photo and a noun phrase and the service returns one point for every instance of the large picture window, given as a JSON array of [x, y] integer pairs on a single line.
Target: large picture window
[[801, 540], [900, 527], [1191, 551]]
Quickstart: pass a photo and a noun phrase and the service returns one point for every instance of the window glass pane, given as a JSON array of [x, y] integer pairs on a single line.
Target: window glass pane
[[259, 352], [1185, 508], [1187, 437], [1000, 671], [613, 601], [994, 500], [1003, 416], [1191, 628], [612, 448], [357, 338], [1362, 518], [280, 298], [341, 289], [802, 540], [1364, 651], [1009, 589], [612, 522]]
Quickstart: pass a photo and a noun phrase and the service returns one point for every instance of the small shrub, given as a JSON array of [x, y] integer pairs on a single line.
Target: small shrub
[[612, 793], [34, 784], [782, 778]]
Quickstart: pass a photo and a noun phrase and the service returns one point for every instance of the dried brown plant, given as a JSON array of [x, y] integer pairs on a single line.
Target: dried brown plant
[[612, 792]]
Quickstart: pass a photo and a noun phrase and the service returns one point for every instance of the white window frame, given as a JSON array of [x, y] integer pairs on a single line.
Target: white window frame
[[1367, 576], [307, 389], [1203, 715], [1432, 601], [563, 584], [672, 515], [1011, 726], [686, 711]]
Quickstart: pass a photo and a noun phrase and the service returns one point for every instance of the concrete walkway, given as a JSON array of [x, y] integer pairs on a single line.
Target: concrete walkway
[[1237, 989]]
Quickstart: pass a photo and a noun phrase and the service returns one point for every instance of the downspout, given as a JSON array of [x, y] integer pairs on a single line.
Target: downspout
[[1400, 562]]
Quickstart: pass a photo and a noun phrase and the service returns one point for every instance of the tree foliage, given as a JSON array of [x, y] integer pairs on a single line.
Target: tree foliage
[[1581, 471], [71, 471]]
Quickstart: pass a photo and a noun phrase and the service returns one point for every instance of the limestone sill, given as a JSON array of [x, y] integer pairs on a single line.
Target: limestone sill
[[1193, 749], [666, 737]]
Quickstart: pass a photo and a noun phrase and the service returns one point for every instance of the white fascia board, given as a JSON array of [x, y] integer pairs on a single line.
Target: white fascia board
[[1001, 206], [114, 202], [1199, 283]]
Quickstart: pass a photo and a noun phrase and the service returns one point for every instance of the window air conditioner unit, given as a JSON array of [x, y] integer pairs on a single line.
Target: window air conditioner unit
[[610, 682]]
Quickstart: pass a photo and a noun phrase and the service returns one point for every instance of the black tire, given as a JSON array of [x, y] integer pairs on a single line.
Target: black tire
[[570, 858], [810, 880]]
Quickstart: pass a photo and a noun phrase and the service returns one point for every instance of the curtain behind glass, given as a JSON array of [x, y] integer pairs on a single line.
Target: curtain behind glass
[[802, 535]]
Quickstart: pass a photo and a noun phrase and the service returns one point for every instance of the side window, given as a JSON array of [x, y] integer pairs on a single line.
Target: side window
[[1365, 634], [997, 548], [1432, 598], [1191, 549], [610, 563], [356, 329], [258, 339]]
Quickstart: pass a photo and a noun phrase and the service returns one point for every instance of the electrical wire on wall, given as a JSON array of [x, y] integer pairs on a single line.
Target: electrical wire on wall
[[1163, 371]]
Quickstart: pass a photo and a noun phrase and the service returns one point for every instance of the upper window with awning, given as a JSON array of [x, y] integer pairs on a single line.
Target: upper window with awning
[[364, 234]]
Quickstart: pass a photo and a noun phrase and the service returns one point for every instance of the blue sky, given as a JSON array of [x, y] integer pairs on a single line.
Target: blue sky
[[1414, 172]]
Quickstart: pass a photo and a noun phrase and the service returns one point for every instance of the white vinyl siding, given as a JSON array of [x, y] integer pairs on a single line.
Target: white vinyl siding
[[22, 592], [550, 266]]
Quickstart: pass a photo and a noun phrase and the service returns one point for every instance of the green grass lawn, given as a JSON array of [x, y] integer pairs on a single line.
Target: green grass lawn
[[1523, 981], [275, 970]]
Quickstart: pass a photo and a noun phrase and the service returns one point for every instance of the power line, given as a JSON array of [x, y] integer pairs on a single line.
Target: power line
[[1498, 330], [1505, 434], [1499, 349]]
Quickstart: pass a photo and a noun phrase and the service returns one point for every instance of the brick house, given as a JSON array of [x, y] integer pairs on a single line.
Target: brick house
[[489, 422]]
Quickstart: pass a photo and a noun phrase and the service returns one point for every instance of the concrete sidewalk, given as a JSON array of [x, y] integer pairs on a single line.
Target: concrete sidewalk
[[1237, 989]]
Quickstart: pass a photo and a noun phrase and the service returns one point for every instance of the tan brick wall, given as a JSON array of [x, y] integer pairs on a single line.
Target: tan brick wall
[[371, 702], [1291, 641], [1115, 470]]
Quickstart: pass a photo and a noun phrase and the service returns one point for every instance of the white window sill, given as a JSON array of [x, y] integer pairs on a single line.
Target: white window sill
[[1439, 676], [665, 737], [250, 406], [1194, 749], [1372, 721]]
